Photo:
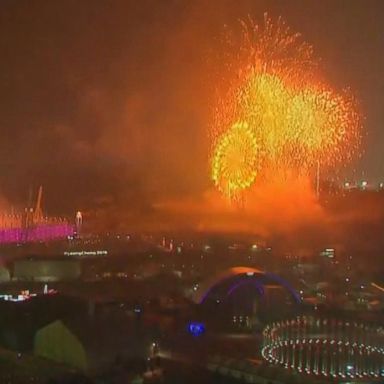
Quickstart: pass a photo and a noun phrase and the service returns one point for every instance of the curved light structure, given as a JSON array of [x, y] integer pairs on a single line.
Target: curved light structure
[[254, 275], [326, 347]]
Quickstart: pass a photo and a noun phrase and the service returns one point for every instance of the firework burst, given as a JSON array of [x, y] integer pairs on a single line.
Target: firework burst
[[235, 160], [277, 114]]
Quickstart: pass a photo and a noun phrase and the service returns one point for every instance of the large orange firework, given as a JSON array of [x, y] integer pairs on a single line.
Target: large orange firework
[[234, 162], [291, 118]]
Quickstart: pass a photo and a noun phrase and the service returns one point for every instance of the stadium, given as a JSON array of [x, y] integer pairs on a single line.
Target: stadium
[[327, 348]]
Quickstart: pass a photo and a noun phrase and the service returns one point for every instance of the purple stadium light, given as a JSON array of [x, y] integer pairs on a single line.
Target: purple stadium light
[[239, 284], [286, 285], [42, 232], [274, 278]]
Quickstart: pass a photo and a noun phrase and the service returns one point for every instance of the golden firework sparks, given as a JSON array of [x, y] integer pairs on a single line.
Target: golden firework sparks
[[287, 114], [234, 162]]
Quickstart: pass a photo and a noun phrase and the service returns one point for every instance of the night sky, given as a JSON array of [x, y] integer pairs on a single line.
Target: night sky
[[109, 101]]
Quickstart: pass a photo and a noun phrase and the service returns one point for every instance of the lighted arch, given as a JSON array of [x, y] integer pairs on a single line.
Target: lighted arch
[[208, 285]]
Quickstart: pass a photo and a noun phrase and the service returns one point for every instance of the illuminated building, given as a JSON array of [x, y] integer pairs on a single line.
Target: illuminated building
[[326, 347], [33, 226], [46, 270], [79, 222]]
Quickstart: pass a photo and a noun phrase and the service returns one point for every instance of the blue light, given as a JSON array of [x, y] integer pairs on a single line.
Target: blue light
[[196, 329]]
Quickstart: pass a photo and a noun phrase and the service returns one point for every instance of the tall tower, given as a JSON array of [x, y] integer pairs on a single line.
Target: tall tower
[[38, 212], [79, 222]]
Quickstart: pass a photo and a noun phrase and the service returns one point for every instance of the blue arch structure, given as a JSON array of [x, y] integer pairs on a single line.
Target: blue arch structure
[[255, 282], [259, 278]]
